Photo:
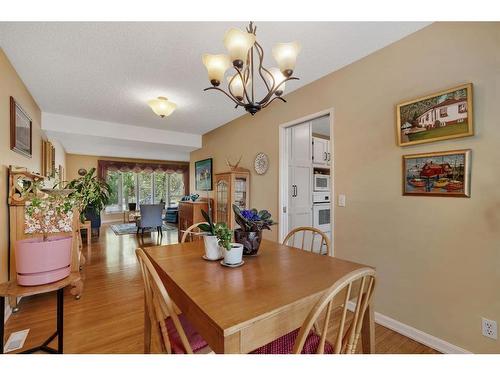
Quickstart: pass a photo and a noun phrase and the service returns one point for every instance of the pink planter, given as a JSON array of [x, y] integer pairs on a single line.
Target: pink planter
[[42, 262]]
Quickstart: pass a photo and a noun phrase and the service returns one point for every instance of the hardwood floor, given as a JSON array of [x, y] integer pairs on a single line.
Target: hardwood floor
[[109, 316]]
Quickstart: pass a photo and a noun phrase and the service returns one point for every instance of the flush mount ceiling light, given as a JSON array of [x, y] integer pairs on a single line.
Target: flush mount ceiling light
[[162, 106], [242, 48]]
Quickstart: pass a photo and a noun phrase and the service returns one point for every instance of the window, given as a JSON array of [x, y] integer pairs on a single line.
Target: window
[[144, 188], [443, 112]]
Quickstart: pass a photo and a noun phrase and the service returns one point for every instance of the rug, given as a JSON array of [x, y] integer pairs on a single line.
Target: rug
[[131, 228]]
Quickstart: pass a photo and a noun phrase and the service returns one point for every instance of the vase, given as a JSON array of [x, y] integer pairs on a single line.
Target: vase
[[212, 250], [235, 255], [249, 240], [42, 262]]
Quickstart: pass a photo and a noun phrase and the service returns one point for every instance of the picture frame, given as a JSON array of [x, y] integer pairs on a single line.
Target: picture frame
[[442, 174], [21, 130], [446, 114], [204, 174]]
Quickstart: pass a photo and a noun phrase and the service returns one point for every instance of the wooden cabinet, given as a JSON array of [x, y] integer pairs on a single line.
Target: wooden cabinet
[[189, 214], [231, 188]]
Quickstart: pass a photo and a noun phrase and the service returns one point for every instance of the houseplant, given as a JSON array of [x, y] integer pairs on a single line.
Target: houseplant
[[252, 223], [212, 250], [233, 252], [93, 195], [46, 259]]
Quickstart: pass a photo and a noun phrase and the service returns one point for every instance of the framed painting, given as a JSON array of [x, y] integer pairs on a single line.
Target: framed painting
[[443, 115], [203, 174], [20, 129], [442, 174]]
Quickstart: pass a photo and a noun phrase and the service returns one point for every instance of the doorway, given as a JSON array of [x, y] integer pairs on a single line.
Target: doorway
[[306, 174]]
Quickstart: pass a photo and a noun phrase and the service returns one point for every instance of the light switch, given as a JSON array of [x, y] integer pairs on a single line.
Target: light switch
[[341, 200]]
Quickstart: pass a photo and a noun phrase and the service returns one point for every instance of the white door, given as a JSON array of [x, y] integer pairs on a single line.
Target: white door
[[328, 154], [320, 151], [300, 177]]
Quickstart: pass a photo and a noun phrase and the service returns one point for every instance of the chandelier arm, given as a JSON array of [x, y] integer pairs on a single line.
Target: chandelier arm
[[268, 96], [272, 100], [260, 52], [229, 96]]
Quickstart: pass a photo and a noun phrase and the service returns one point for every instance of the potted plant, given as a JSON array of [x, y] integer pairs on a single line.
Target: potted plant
[[47, 259], [93, 194], [212, 251], [233, 252], [251, 223]]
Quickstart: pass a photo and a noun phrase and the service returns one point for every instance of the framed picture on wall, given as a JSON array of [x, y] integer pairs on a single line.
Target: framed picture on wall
[[443, 174], [203, 174], [20, 129], [443, 115]]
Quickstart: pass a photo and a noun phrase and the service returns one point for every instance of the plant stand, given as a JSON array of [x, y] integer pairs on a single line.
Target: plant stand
[[11, 289]]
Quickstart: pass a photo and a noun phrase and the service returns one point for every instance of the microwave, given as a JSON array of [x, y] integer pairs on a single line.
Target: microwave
[[321, 182]]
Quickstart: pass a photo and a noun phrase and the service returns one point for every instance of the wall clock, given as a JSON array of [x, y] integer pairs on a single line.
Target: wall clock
[[261, 163]]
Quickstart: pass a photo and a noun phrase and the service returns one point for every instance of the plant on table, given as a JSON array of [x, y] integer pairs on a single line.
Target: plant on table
[[252, 222], [224, 235]]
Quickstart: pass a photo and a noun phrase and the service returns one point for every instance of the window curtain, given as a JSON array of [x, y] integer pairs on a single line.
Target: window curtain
[[103, 166]]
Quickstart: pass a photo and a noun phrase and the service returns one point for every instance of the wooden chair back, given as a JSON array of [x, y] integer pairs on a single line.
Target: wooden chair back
[[348, 332], [309, 239], [159, 305], [190, 233]]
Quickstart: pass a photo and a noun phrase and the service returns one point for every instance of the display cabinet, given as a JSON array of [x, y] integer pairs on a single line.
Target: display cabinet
[[231, 188]]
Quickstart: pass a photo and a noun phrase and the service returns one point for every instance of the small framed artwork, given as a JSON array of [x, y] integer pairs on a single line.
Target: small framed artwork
[[20, 129], [203, 174], [443, 115], [442, 174]]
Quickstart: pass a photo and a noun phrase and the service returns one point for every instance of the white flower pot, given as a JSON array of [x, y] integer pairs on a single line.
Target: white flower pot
[[235, 255], [212, 250]]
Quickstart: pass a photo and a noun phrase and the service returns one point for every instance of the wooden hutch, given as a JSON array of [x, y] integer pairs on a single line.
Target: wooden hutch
[[231, 187], [190, 213]]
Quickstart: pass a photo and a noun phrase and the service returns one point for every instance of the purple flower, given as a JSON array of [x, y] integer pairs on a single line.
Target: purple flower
[[250, 215]]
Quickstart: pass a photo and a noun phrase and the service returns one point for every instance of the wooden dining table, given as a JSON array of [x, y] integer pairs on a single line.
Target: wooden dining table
[[237, 310]]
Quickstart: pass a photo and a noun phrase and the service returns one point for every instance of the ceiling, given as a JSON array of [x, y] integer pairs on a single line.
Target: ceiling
[[107, 71]]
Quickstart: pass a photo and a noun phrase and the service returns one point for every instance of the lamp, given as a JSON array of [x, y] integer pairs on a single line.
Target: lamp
[[216, 66], [237, 44], [162, 106], [247, 57], [285, 55]]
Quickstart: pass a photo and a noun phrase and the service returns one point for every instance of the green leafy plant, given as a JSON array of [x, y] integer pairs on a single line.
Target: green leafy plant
[[253, 220], [92, 193], [210, 226], [224, 235]]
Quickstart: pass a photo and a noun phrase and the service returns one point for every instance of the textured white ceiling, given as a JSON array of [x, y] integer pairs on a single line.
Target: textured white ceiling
[[107, 71]]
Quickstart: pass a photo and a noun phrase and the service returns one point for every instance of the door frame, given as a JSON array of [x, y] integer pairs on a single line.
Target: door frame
[[283, 172]]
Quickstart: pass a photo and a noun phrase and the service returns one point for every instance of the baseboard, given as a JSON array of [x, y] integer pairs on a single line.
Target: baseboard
[[414, 334]]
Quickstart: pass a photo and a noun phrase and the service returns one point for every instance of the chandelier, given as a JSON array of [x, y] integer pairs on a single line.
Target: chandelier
[[244, 50]]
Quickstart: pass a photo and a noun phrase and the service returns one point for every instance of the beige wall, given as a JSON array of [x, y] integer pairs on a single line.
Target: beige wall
[[438, 259], [12, 85]]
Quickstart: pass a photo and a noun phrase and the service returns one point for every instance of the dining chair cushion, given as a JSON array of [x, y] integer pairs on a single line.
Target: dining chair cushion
[[195, 340], [284, 345]]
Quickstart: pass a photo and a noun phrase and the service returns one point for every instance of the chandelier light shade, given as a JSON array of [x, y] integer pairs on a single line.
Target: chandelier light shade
[[216, 66], [285, 55], [247, 56], [235, 85], [277, 78], [238, 43], [162, 106]]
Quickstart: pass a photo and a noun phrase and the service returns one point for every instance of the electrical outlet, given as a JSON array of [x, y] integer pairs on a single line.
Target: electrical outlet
[[489, 328]]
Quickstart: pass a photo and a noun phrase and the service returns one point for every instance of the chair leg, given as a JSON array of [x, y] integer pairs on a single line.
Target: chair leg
[[161, 231], [138, 228], [142, 234]]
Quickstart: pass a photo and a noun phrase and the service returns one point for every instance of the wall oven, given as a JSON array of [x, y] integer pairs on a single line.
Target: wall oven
[[321, 211], [321, 182]]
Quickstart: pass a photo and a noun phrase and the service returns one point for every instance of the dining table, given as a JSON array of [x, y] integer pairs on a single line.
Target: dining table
[[237, 310]]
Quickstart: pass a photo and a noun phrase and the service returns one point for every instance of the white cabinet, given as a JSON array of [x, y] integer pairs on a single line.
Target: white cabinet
[[300, 176], [321, 151]]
